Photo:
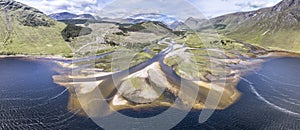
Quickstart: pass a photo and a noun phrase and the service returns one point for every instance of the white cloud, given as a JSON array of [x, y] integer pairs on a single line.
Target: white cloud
[[213, 8], [55, 6], [123, 8], [176, 8]]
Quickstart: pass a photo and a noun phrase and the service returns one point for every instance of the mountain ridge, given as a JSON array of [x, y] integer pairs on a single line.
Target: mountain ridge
[[67, 15], [272, 27]]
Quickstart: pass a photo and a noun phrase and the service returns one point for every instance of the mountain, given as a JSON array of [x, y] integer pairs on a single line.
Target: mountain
[[194, 23], [276, 27], [116, 20], [176, 24], [141, 33], [158, 28], [28, 30], [67, 15], [138, 18], [63, 16]]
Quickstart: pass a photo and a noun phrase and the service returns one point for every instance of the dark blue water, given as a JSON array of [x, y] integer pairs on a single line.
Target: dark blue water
[[30, 100], [270, 101]]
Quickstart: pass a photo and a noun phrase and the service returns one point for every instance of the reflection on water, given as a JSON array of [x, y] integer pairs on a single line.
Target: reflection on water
[[30, 100]]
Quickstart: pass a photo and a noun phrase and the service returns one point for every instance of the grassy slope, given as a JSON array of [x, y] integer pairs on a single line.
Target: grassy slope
[[281, 40], [280, 31], [41, 40], [31, 40], [268, 27]]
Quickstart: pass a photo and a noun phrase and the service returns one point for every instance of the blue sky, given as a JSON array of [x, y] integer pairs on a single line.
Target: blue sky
[[177, 8]]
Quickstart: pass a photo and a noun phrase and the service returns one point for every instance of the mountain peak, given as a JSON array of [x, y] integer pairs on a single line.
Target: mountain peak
[[28, 16]]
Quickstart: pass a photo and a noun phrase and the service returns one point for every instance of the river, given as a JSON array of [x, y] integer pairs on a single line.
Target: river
[[30, 100]]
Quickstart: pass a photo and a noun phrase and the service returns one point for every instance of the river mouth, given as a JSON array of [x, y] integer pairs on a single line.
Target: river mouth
[[127, 92], [33, 101], [160, 81]]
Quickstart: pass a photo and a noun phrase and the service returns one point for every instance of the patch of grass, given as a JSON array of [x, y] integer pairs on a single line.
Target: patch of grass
[[140, 57], [107, 50]]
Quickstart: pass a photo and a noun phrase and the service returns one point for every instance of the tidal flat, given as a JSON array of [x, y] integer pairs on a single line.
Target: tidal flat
[[180, 76]]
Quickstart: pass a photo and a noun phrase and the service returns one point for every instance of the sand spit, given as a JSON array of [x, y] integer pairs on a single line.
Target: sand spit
[[158, 82]]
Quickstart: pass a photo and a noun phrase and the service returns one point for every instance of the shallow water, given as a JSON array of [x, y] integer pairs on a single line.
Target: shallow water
[[270, 100], [30, 100]]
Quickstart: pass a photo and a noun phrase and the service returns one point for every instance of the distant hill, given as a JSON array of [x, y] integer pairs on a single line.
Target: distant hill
[[154, 17], [277, 27], [148, 27], [145, 32], [27, 30], [67, 15], [176, 24], [70, 18]]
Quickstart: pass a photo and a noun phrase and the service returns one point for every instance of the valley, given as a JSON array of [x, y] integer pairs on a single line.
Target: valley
[[66, 70]]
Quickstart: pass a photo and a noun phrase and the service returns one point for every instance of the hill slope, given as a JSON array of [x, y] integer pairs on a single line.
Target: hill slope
[[141, 33], [277, 27], [274, 27], [27, 30]]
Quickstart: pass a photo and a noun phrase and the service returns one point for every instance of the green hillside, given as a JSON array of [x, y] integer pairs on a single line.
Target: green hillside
[[25, 30], [271, 28], [276, 27]]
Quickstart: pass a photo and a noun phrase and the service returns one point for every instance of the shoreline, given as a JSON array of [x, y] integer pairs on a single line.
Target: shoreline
[[230, 95], [278, 54], [117, 102], [270, 53], [47, 57]]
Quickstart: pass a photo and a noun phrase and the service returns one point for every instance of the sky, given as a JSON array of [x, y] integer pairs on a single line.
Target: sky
[[181, 9]]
